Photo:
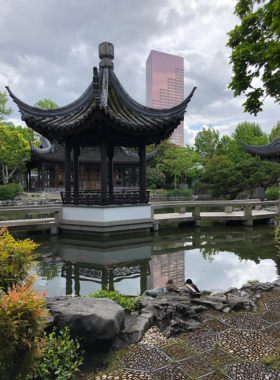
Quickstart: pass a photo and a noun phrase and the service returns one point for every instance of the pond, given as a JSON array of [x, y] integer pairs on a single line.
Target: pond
[[214, 257]]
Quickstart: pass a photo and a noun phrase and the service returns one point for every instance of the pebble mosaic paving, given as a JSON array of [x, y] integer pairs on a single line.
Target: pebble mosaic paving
[[172, 372], [251, 371], [227, 347]]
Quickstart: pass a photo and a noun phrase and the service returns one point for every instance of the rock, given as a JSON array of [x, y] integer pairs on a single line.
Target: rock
[[178, 326], [239, 303], [263, 286], [154, 292], [134, 330], [226, 310], [244, 195], [231, 290], [90, 318], [259, 193], [217, 293], [219, 306]]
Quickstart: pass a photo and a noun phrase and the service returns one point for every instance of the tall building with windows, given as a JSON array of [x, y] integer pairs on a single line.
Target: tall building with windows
[[165, 85]]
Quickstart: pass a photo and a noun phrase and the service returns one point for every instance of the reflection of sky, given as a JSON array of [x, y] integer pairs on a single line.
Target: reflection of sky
[[57, 286], [225, 270]]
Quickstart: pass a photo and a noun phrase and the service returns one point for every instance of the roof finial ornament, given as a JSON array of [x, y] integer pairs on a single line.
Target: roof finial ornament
[[106, 54]]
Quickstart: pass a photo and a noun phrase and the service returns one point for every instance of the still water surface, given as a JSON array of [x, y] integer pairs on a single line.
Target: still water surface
[[213, 257]]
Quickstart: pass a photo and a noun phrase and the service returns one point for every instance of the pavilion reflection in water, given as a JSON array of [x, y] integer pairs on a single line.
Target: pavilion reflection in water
[[149, 260]]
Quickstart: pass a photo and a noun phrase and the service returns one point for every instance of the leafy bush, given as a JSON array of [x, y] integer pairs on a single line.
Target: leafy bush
[[9, 191], [272, 193], [155, 177], [152, 187], [179, 193], [21, 314], [60, 358], [16, 259], [129, 304]]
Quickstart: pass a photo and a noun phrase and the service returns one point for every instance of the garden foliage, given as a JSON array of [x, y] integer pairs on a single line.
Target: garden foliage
[[9, 191], [22, 313], [272, 193], [60, 357], [16, 259], [179, 193], [129, 304]]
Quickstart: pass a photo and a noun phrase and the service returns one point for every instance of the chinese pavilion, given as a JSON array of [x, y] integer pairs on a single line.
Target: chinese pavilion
[[269, 151], [104, 117], [48, 159]]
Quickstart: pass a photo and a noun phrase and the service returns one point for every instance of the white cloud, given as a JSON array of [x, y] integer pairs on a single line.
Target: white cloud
[[52, 55]]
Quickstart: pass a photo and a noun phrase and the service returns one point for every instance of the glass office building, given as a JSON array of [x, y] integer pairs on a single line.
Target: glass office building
[[165, 85]]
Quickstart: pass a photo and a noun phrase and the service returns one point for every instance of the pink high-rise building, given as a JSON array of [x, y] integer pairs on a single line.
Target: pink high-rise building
[[165, 85]]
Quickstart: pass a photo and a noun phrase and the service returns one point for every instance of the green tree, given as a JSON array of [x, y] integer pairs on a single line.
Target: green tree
[[3, 110], [188, 161], [166, 152], [45, 103], [14, 151], [182, 163], [275, 132], [248, 132], [256, 52], [206, 143], [228, 178], [155, 177]]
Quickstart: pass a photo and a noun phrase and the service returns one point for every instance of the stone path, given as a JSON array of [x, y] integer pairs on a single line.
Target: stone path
[[227, 347]]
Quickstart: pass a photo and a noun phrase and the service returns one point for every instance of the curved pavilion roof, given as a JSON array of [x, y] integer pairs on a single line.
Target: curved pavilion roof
[[271, 149], [55, 152], [104, 104]]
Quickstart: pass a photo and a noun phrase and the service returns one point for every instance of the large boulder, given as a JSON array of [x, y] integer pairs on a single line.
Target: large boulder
[[92, 319], [259, 193]]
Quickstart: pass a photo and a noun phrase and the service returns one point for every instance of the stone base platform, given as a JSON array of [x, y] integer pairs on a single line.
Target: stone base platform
[[111, 219]]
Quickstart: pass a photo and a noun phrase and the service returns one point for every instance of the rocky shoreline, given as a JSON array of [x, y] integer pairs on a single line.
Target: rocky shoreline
[[173, 313]]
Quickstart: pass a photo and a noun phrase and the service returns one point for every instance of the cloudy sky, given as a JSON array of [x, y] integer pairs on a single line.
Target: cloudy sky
[[48, 49]]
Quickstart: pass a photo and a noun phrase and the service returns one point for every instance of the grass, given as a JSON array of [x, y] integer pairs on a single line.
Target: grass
[[253, 281]]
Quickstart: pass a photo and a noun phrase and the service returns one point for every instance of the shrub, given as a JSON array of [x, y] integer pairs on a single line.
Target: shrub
[[21, 314], [272, 193], [129, 304], [152, 187], [60, 358], [9, 191], [179, 193], [155, 177], [16, 259]]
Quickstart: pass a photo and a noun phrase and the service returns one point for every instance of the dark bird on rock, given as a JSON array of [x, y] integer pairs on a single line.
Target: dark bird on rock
[[171, 286]]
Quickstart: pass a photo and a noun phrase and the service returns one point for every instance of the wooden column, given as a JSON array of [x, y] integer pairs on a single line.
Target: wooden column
[[111, 169], [43, 176], [56, 176], [29, 180], [26, 180], [133, 177], [39, 177], [142, 155], [67, 164], [76, 153], [103, 148]]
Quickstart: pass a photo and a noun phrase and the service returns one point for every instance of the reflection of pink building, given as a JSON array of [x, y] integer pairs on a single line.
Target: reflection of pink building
[[169, 266], [165, 85]]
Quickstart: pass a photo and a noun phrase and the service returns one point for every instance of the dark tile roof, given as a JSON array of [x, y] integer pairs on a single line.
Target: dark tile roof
[[104, 95], [271, 149], [55, 152]]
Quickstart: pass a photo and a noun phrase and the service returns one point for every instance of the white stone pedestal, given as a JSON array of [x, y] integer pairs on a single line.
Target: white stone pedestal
[[105, 219]]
